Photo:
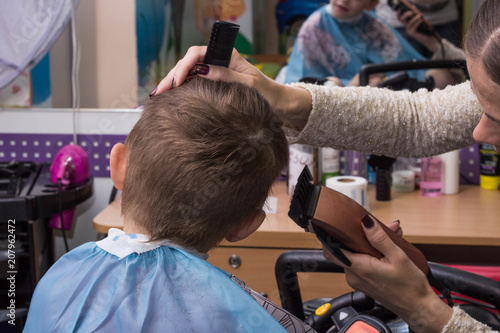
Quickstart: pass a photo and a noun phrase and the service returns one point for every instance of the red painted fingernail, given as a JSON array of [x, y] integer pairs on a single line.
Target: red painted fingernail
[[367, 222], [201, 69]]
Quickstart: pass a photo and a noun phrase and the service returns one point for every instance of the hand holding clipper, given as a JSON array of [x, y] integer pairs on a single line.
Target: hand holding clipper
[[336, 220]]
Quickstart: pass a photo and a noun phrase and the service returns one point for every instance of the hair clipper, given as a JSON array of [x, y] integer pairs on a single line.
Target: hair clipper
[[221, 43], [336, 220], [404, 5]]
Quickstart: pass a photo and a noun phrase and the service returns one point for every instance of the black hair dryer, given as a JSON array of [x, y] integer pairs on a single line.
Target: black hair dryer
[[382, 165]]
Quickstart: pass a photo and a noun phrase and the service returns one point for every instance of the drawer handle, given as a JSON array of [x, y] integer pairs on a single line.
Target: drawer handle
[[234, 261]]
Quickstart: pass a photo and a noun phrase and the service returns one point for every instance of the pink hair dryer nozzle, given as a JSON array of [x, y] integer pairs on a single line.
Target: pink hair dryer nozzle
[[71, 166]]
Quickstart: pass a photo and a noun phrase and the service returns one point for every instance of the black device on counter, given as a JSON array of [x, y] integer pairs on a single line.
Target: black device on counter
[[404, 6], [221, 43]]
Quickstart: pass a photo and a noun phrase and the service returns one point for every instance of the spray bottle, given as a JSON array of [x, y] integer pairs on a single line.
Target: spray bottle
[[489, 167]]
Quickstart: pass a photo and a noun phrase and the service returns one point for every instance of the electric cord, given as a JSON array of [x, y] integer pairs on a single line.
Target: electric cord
[[75, 67], [471, 301], [59, 189]]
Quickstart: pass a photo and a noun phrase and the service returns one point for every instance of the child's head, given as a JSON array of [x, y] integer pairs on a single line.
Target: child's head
[[198, 165], [347, 9]]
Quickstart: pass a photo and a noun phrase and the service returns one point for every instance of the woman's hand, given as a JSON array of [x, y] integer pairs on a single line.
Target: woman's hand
[[411, 22], [292, 104], [395, 281], [239, 70]]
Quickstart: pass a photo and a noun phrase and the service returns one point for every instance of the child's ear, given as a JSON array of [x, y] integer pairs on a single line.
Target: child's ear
[[118, 165], [248, 228]]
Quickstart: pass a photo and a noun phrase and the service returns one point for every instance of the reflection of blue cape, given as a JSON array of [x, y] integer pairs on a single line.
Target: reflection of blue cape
[[163, 289], [327, 46]]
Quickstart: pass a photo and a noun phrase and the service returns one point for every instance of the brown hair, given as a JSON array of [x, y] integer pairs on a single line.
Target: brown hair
[[202, 159], [482, 40]]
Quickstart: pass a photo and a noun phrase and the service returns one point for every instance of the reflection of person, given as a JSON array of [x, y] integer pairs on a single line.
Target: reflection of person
[[196, 168], [338, 39], [391, 123], [442, 14]]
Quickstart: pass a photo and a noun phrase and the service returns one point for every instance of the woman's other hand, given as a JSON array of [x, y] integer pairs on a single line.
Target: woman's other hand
[[395, 281], [411, 22]]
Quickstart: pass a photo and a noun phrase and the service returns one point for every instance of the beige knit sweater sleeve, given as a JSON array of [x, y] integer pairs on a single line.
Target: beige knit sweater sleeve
[[390, 123], [460, 322]]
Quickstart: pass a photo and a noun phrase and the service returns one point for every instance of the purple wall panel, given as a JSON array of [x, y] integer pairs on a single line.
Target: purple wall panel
[[469, 165], [41, 148], [353, 163]]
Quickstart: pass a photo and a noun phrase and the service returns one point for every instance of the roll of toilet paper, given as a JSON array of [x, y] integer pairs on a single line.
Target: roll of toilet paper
[[351, 186], [451, 172]]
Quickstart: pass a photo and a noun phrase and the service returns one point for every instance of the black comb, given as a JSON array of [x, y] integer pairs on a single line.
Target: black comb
[[304, 199], [221, 43]]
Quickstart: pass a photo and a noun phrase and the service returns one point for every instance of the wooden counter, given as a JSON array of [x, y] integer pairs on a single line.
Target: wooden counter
[[462, 228], [470, 217]]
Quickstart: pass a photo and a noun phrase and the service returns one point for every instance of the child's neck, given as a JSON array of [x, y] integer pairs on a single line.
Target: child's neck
[[130, 227], [353, 19]]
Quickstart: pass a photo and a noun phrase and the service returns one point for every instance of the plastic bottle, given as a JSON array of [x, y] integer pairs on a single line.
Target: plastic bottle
[[403, 176], [329, 163], [416, 167], [489, 167], [431, 177], [370, 174], [300, 156]]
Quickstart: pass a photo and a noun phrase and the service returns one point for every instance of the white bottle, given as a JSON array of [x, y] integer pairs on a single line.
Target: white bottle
[[329, 163], [300, 156]]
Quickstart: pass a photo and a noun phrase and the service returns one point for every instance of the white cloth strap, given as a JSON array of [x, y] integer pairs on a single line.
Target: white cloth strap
[[121, 244]]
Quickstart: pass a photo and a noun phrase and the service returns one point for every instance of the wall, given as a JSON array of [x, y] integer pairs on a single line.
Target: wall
[[108, 57], [265, 19]]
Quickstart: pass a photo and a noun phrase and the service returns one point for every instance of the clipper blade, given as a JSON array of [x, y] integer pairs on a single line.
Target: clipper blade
[[304, 199]]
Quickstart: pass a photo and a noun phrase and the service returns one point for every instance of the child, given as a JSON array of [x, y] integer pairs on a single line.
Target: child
[[339, 38], [196, 168]]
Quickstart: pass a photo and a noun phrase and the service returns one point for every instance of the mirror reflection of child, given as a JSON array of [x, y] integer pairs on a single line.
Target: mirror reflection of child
[[339, 38]]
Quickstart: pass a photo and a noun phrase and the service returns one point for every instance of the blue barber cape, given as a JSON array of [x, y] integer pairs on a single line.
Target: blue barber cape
[[122, 284]]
